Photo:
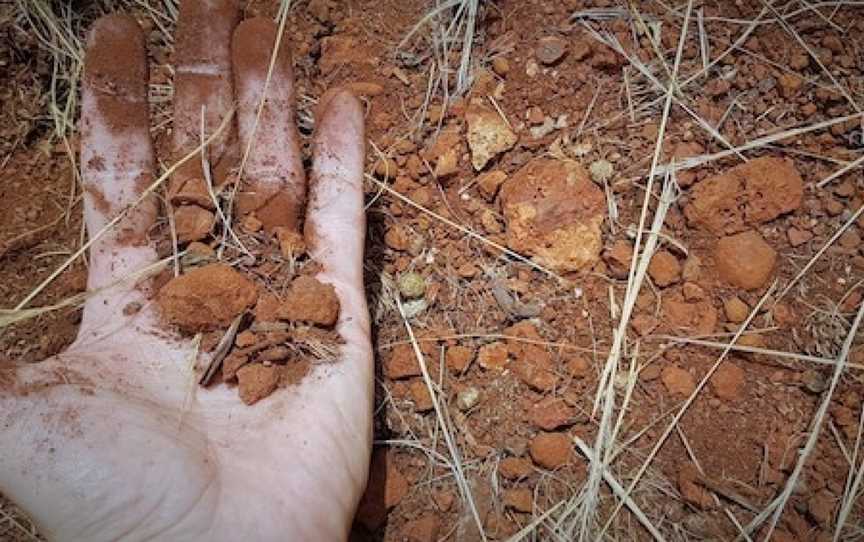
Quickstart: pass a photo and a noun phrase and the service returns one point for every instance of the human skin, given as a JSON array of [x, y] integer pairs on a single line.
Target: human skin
[[111, 439]]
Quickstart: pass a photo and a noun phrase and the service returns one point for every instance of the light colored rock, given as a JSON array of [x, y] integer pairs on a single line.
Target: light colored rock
[[553, 213], [488, 135]]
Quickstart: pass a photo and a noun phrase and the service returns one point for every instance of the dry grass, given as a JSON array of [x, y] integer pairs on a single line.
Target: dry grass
[[15, 526]]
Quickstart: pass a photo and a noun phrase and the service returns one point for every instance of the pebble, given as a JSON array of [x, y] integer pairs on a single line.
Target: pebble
[[423, 529], [501, 66], [678, 381], [488, 183], [551, 450], [664, 269], [745, 260], [488, 135], [550, 49], [459, 358], [493, 356], [736, 310], [401, 362], [798, 237], [386, 168], [192, 223], [411, 285], [551, 413], [514, 468], [520, 499], [310, 300], [468, 398], [727, 381], [256, 381], [206, 297]]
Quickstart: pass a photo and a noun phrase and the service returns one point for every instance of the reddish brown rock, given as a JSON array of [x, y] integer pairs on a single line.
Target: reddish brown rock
[[552, 413], [553, 213], [520, 499], [664, 269], [489, 183], [691, 491], [727, 381], [749, 194], [736, 310], [192, 223], [256, 381], [678, 381], [820, 507], [401, 362], [533, 366], [387, 486], [459, 358], [551, 450], [699, 316], [745, 260], [514, 468], [421, 396], [493, 356], [618, 258], [578, 367], [206, 297], [310, 300], [550, 49]]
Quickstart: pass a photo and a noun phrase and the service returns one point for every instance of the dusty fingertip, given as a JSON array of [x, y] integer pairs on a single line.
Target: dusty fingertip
[[252, 47], [116, 26], [110, 38], [340, 103]]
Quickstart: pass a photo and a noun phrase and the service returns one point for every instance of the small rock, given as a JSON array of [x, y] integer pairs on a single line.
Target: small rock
[[256, 381], [501, 66], [420, 395], [748, 194], [245, 339], [467, 398], [397, 238], [790, 83], [692, 269], [533, 365], [459, 358], [424, 529], [736, 310], [664, 269], [489, 183], [678, 381], [553, 213], [488, 135], [692, 492], [727, 381], [551, 450], [444, 499], [745, 260], [693, 292], [447, 164], [206, 297], [251, 224], [550, 49], [798, 237], [552, 413], [514, 468], [578, 367], [231, 364], [519, 499], [310, 300], [274, 353], [820, 506], [644, 324], [192, 223], [411, 285], [493, 356], [618, 258], [401, 363], [601, 171], [386, 168]]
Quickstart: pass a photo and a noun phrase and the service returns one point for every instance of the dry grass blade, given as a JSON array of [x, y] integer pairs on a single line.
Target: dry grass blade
[[776, 507], [452, 448], [680, 414], [853, 483]]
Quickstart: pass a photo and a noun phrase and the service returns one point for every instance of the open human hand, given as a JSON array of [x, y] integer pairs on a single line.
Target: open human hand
[[104, 441]]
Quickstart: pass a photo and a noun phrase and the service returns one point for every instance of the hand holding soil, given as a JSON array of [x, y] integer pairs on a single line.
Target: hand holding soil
[[114, 438]]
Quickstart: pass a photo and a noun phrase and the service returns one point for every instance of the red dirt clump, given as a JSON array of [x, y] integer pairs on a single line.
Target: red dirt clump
[[206, 297], [309, 300]]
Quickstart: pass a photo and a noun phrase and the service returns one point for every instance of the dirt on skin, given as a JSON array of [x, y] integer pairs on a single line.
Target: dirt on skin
[[518, 388]]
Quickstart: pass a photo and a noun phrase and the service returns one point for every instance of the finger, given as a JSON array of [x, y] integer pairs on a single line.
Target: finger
[[335, 227], [202, 86], [275, 185], [116, 150]]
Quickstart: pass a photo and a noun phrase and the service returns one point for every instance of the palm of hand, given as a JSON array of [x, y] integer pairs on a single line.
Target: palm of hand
[[114, 439]]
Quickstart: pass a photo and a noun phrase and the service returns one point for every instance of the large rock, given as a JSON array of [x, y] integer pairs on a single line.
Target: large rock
[[745, 260], [749, 194], [488, 135], [553, 213], [206, 297]]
